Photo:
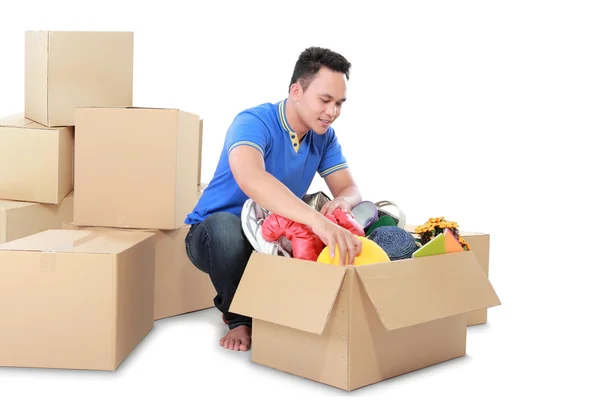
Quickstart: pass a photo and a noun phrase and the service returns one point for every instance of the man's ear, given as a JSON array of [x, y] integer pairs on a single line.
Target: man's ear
[[296, 91]]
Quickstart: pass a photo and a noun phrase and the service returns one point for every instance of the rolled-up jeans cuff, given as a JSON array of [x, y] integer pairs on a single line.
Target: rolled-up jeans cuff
[[235, 324]]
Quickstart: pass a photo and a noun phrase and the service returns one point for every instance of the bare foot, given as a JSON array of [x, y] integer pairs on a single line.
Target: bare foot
[[237, 339]]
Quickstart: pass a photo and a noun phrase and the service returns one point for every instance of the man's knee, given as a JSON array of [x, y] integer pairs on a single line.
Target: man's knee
[[225, 237]]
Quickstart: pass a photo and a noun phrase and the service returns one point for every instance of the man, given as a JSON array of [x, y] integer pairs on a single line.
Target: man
[[271, 154]]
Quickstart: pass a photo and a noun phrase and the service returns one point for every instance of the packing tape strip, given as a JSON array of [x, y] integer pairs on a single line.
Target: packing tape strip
[[48, 257], [77, 242]]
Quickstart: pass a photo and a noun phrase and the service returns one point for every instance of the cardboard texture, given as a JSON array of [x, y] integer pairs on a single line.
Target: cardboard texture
[[20, 219], [349, 327], [118, 185], [36, 161], [200, 152], [64, 70], [75, 299], [180, 287], [480, 246]]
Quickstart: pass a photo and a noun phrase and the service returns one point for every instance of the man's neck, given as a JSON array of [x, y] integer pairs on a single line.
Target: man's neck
[[293, 120]]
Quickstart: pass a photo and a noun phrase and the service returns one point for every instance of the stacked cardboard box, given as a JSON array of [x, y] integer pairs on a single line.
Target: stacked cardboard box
[[93, 208]]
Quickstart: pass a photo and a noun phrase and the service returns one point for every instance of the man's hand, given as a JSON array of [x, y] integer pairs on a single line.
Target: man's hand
[[338, 202], [334, 235]]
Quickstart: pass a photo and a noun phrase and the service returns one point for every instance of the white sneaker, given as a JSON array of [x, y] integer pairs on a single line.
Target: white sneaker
[[252, 218]]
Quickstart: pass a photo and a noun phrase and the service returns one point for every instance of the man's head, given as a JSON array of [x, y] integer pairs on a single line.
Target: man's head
[[318, 87]]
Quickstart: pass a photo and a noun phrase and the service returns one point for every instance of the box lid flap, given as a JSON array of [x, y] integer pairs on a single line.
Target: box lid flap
[[417, 290], [295, 293], [77, 241]]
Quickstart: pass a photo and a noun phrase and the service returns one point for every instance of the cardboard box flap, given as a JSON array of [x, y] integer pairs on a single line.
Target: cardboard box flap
[[417, 290], [19, 121], [77, 241], [295, 293]]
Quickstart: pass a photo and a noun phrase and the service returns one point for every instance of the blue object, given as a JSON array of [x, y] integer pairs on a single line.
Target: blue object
[[396, 242]]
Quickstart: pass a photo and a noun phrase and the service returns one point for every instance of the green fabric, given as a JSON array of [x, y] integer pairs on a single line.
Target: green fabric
[[385, 220]]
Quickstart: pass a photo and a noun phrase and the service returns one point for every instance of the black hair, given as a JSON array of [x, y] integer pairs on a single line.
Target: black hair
[[312, 60]]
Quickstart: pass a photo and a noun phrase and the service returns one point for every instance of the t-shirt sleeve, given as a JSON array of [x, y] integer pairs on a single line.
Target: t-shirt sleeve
[[248, 130], [333, 158]]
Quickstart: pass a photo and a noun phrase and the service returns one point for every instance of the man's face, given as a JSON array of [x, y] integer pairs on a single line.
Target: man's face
[[321, 103]]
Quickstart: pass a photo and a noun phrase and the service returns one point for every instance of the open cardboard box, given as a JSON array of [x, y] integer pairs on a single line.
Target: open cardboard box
[[349, 327]]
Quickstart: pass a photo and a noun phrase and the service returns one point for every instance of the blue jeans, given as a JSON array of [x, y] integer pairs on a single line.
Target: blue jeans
[[218, 247]]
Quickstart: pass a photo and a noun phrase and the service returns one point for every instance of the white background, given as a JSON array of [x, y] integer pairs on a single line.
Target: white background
[[482, 112]]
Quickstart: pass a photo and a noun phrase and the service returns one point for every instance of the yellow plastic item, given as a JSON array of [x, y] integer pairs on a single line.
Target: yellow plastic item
[[371, 253]]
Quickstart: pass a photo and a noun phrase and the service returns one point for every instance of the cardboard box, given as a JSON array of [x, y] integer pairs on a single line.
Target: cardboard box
[[75, 299], [120, 185], [20, 219], [36, 161], [179, 286], [349, 326], [64, 70], [480, 246]]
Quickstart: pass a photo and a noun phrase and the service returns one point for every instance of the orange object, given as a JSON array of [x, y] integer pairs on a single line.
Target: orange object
[[452, 244]]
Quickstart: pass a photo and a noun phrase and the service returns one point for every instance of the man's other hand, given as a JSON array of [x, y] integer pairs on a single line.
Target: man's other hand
[[338, 202]]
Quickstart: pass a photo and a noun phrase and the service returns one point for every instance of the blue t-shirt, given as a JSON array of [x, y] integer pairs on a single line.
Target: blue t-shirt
[[293, 163]]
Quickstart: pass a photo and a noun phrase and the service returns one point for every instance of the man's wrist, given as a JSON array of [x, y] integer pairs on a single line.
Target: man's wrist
[[314, 217]]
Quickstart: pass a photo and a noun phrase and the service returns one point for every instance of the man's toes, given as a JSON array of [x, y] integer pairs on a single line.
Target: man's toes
[[238, 343], [245, 345]]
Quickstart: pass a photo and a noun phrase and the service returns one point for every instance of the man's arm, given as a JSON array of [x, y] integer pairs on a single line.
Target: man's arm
[[344, 190], [248, 168], [341, 184]]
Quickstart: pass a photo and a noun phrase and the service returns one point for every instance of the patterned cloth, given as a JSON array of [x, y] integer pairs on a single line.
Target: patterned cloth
[[396, 242]]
